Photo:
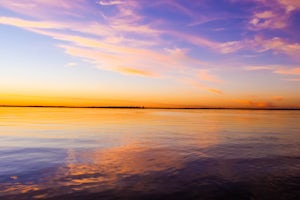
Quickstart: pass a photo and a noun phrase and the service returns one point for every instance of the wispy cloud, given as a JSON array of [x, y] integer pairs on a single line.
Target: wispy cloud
[[221, 47], [290, 5], [268, 20], [133, 71], [259, 67], [71, 64], [119, 36], [206, 75], [215, 91], [278, 45], [293, 71], [110, 3], [255, 104], [39, 26], [286, 73], [27, 24], [278, 98], [275, 14], [49, 9], [197, 84]]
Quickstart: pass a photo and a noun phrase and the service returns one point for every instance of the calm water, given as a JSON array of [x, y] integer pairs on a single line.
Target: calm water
[[66, 153]]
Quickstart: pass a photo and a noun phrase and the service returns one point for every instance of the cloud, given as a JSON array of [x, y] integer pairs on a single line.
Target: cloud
[[278, 98], [205, 75], [274, 14], [216, 91], [193, 82], [268, 20], [27, 24], [293, 71], [71, 64], [221, 47], [133, 71], [141, 29], [49, 9], [283, 71], [180, 8], [110, 3], [258, 44], [277, 45], [255, 104], [112, 47], [54, 26], [141, 61], [259, 67], [127, 42], [230, 47], [127, 26], [106, 53], [290, 5]]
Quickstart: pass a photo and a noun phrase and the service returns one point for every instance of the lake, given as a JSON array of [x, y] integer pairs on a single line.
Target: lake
[[89, 153]]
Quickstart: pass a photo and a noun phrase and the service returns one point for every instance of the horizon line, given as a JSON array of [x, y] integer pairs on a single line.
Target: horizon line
[[153, 107]]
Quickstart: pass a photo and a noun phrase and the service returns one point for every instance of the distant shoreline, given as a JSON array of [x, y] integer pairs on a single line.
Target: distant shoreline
[[142, 107]]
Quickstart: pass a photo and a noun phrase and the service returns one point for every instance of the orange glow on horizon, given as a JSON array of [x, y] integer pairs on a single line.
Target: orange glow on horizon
[[155, 102]]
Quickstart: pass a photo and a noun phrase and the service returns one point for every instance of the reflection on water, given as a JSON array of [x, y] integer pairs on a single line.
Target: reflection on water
[[65, 153]]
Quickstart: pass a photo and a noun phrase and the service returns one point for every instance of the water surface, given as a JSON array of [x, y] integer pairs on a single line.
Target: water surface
[[69, 153]]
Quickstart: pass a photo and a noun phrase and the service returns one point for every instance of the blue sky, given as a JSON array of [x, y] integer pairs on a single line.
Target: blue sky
[[206, 53]]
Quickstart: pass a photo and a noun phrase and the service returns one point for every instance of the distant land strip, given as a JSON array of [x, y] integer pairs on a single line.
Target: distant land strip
[[142, 107]]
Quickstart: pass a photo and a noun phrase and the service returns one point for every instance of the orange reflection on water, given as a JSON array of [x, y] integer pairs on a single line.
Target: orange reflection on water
[[18, 188], [102, 170], [110, 165], [107, 126], [103, 149]]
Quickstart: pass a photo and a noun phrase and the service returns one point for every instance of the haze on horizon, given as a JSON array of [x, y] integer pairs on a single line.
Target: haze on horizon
[[160, 53]]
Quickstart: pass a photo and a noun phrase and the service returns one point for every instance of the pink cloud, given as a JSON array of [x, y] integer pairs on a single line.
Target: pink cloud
[[47, 9], [278, 98], [119, 39], [290, 5], [216, 91], [179, 8], [221, 47], [133, 71], [293, 71], [205, 75], [258, 44], [259, 67], [41, 25], [230, 47], [275, 15], [255, 104], [111, 51], [110, 3], [201, 86], [196, 40], [109, 57], [128, 21], [283, 71], [268, 20], [29, 24], [276, 44]]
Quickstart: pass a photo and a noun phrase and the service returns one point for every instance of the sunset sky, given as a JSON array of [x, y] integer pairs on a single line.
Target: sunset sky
[[152, 53]]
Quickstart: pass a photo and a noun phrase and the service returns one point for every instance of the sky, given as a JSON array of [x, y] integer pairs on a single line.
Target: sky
[[158, 53]]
